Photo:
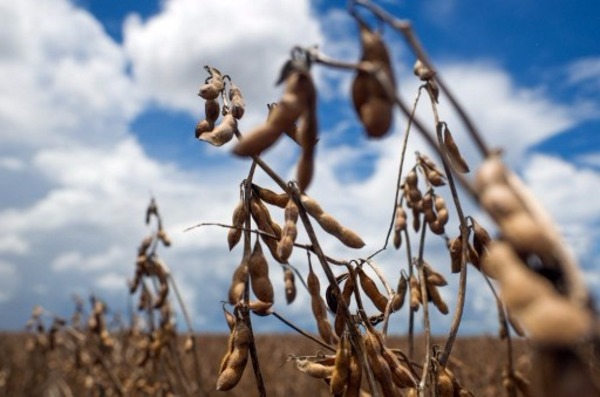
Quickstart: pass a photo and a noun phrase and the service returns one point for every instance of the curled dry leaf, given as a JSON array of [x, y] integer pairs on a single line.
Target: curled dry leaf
[[370, 288], [236, 102], [258, 268], [229, 318], [456, 159]]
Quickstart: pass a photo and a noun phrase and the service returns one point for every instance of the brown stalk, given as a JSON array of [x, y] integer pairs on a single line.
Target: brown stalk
[[504, 324], [262, 392], [426, 324], [411, 314], [401, 165], [462, 287]]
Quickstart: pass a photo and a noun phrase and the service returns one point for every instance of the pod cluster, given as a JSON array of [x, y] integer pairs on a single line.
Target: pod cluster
[[210, 129]]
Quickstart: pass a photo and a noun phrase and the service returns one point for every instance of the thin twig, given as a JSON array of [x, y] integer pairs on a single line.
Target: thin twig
[[462, 287], [411, 313], [302, 332], [401, 165], [425, 297], [260, 384]]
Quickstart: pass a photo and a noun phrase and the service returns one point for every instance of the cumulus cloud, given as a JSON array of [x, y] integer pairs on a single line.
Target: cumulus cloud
[[249, 41], [64, 79]]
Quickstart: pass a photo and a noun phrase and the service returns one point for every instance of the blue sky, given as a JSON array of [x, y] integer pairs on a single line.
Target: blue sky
[[99, 107]]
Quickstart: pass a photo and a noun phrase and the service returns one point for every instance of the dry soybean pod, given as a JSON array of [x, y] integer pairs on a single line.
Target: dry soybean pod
[[270, 197], [341, 370], [231, 374], [455, 249], [290, 285], [318, 307], [222, 133], [370, 288], [354, 376], [347, 291], [434, 295], [258, 268], [316, 370], [212, 110], [399, 226], [263, 220], [370, 98], [415, 294], [330, 224], [299, 90], [434, 277], [481, 238], [444, 384], [204, 126], [238, 282], [400, 295], [236, 101], [308, 140], [381, 369], [289, 233], [237, 220]]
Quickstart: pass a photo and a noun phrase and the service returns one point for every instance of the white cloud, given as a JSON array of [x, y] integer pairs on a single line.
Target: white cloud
[[249, 41], [112, 281], [64, 78], [585, 70]]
